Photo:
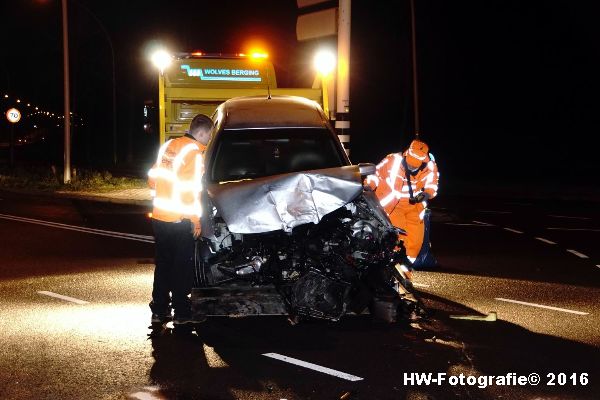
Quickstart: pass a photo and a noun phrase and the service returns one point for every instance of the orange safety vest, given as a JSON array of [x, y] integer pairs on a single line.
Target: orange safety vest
[[391, 186], [176, 180]]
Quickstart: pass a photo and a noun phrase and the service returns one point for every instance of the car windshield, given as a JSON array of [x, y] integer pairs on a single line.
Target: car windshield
[[255, 153]]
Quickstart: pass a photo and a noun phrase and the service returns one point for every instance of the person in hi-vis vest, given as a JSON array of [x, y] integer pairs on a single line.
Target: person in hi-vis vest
[[403, 183], [176, 184]]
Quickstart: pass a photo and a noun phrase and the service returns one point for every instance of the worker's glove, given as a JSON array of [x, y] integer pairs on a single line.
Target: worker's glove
[[196, 229], [419, 198]]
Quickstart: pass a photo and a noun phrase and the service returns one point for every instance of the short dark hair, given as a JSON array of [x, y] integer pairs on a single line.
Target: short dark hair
[[200, 122]]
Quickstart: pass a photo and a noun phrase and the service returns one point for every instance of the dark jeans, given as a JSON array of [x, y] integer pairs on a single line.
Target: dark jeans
[[174, 271]]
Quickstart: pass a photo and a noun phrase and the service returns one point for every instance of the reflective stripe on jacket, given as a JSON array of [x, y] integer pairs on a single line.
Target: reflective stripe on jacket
[[391, 186], [176, 180]]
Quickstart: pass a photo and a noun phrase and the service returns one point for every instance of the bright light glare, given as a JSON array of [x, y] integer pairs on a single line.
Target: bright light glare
[[258, 54], [325, 61], [161, 59]]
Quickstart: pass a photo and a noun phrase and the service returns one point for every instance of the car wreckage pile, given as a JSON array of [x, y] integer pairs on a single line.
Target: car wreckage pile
[[307, 244]]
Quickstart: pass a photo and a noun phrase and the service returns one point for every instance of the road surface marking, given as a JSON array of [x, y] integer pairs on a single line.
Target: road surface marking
[[578, 254], [314, 367], [420, 285], [66, 298], [574, 229], [494, 212], [541, 306], [120, 235], [465, 224], [597, 265], [475, 223], [545, 240], [565, 216], [483, 223], [512, 230], [144, 396]]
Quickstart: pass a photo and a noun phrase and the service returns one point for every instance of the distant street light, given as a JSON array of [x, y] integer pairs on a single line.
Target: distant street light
[[324, 63]]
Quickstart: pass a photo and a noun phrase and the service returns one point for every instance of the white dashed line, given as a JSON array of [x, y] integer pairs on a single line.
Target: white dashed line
[[475, 223], [574, 229], [545, 240], [314, 367], [578, 254], [66, 298], [597, 265], [482, 223], [423, 285], [119, 235], [494, 212], [512, 230], [567, 217], [466, 224], [541, 306]]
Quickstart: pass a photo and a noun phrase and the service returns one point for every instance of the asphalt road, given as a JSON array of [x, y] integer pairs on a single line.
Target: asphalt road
[[75, 279]]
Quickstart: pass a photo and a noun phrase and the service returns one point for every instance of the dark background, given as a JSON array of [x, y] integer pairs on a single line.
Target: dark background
[[508, 89]]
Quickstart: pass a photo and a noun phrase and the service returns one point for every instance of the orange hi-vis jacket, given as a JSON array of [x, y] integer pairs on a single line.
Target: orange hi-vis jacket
[[392, 190], [176, 180], [391, 186]]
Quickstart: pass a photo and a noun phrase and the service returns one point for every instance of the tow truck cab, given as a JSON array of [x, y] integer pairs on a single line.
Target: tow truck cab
[[197, 83]]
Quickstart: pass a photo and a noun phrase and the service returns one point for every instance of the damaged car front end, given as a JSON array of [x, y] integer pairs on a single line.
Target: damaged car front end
[[290, 228]]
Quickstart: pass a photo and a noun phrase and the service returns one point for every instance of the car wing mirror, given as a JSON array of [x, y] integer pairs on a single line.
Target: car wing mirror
[[366, 169]]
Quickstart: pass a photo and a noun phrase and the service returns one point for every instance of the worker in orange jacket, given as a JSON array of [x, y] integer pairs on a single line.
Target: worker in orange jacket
[[176, 183], [403, 183]]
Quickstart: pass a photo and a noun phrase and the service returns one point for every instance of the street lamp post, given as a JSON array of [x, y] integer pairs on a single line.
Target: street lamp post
[[324, 64], [67, 123], [161, 60], [413, 38]]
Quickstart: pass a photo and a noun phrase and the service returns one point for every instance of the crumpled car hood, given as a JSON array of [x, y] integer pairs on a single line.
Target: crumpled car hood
[[282, 202]]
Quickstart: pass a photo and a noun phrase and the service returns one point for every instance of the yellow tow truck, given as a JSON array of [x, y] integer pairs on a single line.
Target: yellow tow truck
[[196, 83]]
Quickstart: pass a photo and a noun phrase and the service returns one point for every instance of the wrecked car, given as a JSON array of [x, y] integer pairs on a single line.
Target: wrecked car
[[288, 227]]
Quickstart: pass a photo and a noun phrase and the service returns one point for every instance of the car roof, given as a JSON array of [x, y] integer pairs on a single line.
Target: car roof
[[272, 112]]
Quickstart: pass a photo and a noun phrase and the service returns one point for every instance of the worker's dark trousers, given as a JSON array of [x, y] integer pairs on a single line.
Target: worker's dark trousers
[[174, 271]]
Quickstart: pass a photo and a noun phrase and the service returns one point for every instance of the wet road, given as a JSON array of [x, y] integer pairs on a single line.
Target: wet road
[[75, 278]]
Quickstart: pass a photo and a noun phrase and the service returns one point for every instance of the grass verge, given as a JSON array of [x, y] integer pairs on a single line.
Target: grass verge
[[49, 179]]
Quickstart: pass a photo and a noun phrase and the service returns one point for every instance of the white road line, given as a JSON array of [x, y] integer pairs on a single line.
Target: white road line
[[494, 212], [565, 216], [120, 235], [578, 254], [597, 265], [574, 229], [144, 396], [512, 230], [423, 285], [66, 298], [545, 240], [314, 367], [541, 306], [475, 223], [483, 223], [465, 224]]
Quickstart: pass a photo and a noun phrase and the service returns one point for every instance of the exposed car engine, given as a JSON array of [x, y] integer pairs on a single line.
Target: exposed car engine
[[346, 262]]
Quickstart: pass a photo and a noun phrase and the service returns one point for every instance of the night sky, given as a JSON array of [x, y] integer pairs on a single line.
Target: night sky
[[508, 89]]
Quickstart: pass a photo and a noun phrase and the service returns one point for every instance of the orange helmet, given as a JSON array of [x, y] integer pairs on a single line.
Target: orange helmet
[[417, 153]]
